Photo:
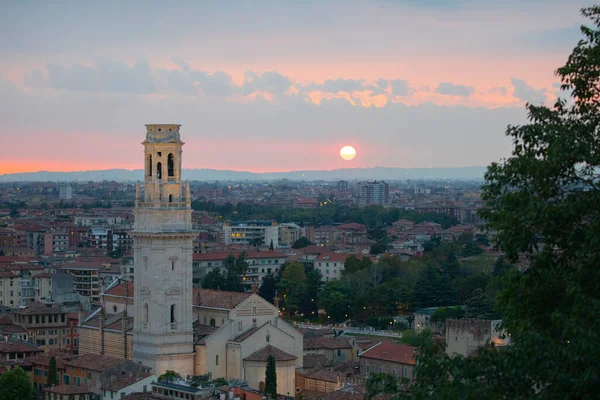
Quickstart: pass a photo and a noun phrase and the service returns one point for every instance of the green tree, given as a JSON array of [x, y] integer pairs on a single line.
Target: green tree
[[52, 379], [16, 385], [309, 304], [433, 290], [337, 300], [235, 268], [271, 246], [170, 376], [268, 288], [301, 243], [542, 204], [256, 242], [214, 280], [292, 286], [480, 306], [271, 378]]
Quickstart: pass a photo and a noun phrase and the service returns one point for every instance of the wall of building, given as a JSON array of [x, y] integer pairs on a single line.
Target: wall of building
[[254, 374], [370, 366]]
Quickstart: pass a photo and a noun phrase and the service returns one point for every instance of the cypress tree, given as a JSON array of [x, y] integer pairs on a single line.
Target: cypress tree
[[52, 380], [271, 378]]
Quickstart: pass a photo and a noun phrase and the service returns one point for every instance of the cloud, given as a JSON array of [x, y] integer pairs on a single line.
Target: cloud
[[103, 76], [497, 91], [527, 93], [451, 89], [269, 81], [399, 87], [339, 85]]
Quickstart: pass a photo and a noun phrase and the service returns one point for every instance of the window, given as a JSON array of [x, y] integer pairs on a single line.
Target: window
[[339, 353], [159, 170], [172, 262], [239, 325], [172, 313], [146, 312], [145, 388], [212, 322], [89, 375], [170, 198], [217, 359], [170, 169], [115, 309], [150, 165]]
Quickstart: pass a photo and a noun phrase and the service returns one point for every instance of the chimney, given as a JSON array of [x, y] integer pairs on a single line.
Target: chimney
[[254, 287]]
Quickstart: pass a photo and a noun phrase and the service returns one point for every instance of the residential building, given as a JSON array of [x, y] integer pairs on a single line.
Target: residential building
[[86, 278], [288, 234], [342, 186], [65, 192], [389, 357], [334, 349], [120, 386], [260, 264], [6, 238], [331, 265], [13, 350], [247, 232], [44, 324], [372, 192]]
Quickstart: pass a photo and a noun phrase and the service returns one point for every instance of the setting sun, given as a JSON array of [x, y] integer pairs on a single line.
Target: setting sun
[[348, 153]]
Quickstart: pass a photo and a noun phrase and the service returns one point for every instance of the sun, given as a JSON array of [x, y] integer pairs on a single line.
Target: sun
[[348, 153]]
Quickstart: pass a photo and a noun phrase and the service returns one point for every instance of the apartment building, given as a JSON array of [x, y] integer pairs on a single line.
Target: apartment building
[[288, 234], [19, 287], [86, 278], [372, 192], [331, 265], [260, 264], [45, 324], [55, 242], [248, 232]]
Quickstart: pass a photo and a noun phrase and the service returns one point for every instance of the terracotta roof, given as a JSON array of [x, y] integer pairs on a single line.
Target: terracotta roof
[[123, 381], [246, 334], [121, 290], [323, 374], [95, 362], [82, 266], [219, 298], [391, 351], [10, 347], [222, 255], [142, 396], [68, 389], [326, 343], [5, 319], [315, 360], [7, 274], [38, 308], [44, 359], [335, 257], [264, 353]]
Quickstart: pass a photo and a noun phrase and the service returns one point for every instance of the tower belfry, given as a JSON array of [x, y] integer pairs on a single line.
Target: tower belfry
[[163, 334]]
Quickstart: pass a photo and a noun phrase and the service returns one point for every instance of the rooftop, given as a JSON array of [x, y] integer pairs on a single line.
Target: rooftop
[[264, 353], [391, 351]]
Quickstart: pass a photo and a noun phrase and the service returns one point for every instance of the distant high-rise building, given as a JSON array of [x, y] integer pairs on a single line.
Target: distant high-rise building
[[375, 192], [342, 186], [65, 192]]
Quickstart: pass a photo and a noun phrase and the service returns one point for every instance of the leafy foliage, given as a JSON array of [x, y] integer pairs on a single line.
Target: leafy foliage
[[16, 385], [301, 243], [52, 378]]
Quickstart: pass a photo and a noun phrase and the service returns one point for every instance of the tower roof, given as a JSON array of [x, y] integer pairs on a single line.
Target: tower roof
[[162, 133]]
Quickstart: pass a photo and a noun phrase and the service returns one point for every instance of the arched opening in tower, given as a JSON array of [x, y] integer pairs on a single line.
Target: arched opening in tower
[[159, 170], [172, 313], [149, 167], [170, 198], [170, 171]]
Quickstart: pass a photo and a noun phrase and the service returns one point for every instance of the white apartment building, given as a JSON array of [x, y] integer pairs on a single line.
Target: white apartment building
[[289, 233], [375, 192], [260, 264], [245, 232], [65, 192]]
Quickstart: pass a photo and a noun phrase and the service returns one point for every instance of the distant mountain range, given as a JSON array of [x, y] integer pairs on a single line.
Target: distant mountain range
[[382, 173]]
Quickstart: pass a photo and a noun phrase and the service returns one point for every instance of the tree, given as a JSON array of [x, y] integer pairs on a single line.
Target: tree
[[268, 288], [214, 280], [235, 268], [1, 253], [118, 252], [256, 242], [271, 246], [170, 376], [52, 378], [292, 286], [309, 304], [271, 378], [433, 290], [16, 385], [378, 248], [301, 243], [480, 306], [542, 204]]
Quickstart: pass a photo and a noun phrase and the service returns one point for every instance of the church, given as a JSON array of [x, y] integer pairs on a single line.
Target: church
[[163, 322]]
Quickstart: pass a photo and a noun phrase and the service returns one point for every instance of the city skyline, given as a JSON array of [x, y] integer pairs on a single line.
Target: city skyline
[[278, 86]]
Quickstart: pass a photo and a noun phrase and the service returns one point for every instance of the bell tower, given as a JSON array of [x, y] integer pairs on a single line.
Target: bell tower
[[163, 334]]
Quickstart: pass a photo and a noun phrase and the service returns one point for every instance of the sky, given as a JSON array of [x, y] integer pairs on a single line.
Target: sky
[[270, 85]]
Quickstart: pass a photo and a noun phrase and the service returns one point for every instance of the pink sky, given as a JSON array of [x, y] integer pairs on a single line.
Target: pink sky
[[278, 86]]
